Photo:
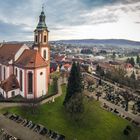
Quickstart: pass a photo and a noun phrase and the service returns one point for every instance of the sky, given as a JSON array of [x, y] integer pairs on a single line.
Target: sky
[[71, 19]]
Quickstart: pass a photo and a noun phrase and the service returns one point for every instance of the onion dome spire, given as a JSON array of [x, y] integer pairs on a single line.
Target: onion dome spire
[[42, 24]]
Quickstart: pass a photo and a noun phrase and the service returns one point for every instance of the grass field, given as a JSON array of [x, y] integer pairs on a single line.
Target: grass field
[[97, 123], [125, 58]]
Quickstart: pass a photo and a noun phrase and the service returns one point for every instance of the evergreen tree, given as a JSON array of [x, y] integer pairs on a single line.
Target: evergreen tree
[[75, 106], [74, 83], [138, 105], [98, 68], [99, 71], [128, 60], [74, 98], [133, 76], [132, 61], [113, 56], [138, 59]]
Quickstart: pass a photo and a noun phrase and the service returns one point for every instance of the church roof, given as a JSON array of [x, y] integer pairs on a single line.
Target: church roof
[[31, 59], [10, 84], [8, 52]]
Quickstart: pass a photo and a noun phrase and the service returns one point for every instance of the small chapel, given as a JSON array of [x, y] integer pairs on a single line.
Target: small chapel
[[25, 71]]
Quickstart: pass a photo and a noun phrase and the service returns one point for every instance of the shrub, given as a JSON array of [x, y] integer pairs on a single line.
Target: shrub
[[128, 127], [126, 132]]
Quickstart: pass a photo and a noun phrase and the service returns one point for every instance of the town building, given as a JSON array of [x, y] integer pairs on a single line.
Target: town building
[[25, 71]]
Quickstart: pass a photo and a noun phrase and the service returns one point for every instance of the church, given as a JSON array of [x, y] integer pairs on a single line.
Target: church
[[25, 71]]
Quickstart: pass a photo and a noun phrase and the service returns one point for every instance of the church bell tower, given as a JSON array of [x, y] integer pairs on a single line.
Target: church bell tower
[[41, 37]]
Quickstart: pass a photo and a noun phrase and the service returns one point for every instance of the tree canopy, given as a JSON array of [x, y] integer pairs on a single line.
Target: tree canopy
[[74, 82], [74, 98]]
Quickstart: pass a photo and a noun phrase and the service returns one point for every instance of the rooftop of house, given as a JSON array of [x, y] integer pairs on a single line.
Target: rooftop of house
[[8, 52], [127, 65], [10, 84], [59, 58]]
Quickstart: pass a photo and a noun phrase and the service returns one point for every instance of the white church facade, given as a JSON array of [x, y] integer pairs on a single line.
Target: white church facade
[[25, 70]]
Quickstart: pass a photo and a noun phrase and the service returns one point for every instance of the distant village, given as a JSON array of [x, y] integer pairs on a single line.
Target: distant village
[[78, 74], [107, 57]]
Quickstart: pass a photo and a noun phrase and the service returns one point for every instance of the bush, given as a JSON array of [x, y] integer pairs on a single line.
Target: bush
[[55, 87], [126, 132], [128, 127]]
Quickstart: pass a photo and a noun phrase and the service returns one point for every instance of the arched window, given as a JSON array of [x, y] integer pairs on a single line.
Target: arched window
[[44, 54], [13, 93], [36, 38], [21, 80], [30, 83], [16, 72], [0, 74], [45, 38], [4, 71]]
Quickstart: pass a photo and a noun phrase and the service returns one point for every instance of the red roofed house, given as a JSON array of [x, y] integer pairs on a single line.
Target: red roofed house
[[60, 58], [26, 71], [128, 67], [66, 67]]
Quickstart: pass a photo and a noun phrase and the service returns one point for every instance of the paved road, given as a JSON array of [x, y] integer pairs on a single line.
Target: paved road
[[18, 130]]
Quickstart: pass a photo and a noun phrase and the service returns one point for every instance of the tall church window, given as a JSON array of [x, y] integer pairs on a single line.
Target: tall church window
[[4, 71], [45, 38], [36, 38], [16, 72], [13, 93], [21, 80], [0, 73], [44, 54], [30, 83]]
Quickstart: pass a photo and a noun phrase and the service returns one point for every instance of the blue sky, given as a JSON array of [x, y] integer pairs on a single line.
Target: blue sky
[[71, 19]]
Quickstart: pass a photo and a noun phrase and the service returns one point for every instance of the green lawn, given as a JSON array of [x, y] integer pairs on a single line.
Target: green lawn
[[97, 124], [125, 58], [51, 89]]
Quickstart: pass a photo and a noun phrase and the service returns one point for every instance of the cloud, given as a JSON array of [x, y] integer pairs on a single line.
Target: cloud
[[9, 30], [137, 22], [21, 17]]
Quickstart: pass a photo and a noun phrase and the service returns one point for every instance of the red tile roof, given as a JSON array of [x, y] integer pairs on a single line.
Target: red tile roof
[[59, 58], [67, 66], [8, 51], [106, 66], [128, 66], [31, 59], [10, 84]]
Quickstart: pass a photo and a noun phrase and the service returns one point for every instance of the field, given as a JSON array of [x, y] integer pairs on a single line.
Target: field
[[125, 58], [97, 124]]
